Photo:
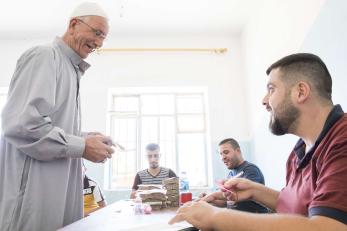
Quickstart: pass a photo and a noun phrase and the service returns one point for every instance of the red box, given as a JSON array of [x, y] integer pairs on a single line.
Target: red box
[[185, 197]]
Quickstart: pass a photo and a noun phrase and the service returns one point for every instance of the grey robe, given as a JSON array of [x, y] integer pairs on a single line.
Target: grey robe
[[41, 147]]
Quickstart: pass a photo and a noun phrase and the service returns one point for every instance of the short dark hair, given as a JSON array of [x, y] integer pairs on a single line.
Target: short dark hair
[[152, 147], [230, 141], [308, 65]]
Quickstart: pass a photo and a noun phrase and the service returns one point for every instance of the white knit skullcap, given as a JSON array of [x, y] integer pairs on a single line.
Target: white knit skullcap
[[88, 8]]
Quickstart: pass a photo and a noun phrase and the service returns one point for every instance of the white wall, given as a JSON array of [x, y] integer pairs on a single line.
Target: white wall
[[278, 30], [327, 38]]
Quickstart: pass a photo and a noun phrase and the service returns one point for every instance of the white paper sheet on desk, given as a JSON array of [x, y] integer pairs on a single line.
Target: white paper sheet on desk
[[159, 227]]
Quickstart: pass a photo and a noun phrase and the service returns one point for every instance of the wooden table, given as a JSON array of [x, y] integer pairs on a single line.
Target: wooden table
[[120, 216]]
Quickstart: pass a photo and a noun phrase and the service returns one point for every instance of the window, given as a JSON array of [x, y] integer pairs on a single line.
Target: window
[[3, 96], [174, 119]]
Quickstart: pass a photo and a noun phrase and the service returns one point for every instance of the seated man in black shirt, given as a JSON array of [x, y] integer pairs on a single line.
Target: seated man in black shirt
[[154, 174], [231, 155]]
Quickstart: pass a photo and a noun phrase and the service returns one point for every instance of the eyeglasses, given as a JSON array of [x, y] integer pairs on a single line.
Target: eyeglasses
[[98, 33]]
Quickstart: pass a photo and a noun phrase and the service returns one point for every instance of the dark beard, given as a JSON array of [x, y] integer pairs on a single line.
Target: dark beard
[[276, 128], [285, 121], [154, 166]]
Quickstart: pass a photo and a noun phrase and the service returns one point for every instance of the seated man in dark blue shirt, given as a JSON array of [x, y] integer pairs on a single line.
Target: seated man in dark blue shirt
[[231, 155]]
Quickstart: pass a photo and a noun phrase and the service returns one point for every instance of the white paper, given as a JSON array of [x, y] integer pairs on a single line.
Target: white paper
[[159, 227]]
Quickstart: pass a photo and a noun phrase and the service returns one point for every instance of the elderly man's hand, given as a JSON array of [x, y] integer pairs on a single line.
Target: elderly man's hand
[[96, 148]]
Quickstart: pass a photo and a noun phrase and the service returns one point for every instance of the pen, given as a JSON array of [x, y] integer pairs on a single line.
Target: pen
[[238, 174], [221, 186]]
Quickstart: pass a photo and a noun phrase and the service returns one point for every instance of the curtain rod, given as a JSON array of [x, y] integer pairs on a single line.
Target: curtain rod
[[215, 50]]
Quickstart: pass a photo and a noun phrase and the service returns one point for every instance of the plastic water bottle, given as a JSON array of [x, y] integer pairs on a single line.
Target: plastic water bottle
[[184, 182], [185, 195], [138, 205]]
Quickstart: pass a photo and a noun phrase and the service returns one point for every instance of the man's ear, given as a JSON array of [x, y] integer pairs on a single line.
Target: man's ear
[[72, 24], [238, 150], [302, 91]]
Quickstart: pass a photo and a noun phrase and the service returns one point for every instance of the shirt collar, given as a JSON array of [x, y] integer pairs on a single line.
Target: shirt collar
[[238, 169], [75, 59], [303, 159]]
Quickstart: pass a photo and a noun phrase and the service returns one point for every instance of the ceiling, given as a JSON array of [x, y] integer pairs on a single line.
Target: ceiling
[[41, 18]]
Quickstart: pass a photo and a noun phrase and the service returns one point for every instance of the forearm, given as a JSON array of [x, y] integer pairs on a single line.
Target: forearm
[[265, 196], [133, 194], [240, 221], [45, 146], [30, 128]]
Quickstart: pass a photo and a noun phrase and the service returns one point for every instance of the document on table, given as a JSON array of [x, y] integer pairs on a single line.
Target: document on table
[[160, 226]]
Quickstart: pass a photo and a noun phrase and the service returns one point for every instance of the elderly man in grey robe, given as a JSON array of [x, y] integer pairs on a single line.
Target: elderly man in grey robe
[[42, 145]]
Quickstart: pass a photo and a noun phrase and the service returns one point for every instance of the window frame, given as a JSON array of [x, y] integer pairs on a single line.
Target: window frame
[[138, 91]]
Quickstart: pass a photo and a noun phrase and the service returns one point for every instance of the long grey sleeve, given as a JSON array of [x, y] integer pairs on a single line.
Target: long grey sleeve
[[40, 103]]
